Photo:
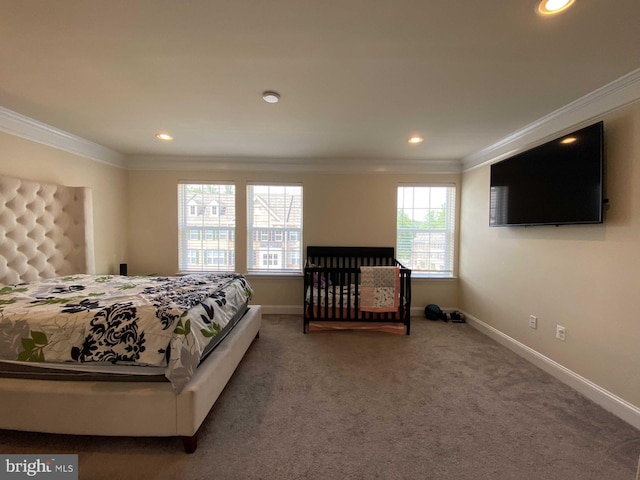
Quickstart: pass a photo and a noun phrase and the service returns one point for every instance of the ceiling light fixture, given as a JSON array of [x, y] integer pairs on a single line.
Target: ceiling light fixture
[[551, 7], [164, 136], [568, 140], [415, 140], [271, 97]]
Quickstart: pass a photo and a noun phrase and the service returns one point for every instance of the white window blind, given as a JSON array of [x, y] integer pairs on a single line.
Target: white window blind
[[274, 228], [426, 229], [206, 227]]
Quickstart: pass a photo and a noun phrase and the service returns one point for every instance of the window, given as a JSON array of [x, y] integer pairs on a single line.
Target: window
[[205, 234], [273, 236], [209, 257], [274, 228], [193, 257], [270, 260], [216, 257], [425, 231]]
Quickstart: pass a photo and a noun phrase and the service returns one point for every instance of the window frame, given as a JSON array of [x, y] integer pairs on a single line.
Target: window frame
[[201, 232], [445, 243], [269, 236]]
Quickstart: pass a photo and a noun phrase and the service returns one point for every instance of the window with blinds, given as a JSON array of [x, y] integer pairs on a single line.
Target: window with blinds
[[425, 229], [206, 227], [274, 228]]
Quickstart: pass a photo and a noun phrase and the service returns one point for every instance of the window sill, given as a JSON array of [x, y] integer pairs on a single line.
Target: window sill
[[432, 277], [273, 274]]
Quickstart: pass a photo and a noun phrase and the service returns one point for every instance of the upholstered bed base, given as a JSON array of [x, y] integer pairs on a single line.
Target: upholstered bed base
[[150, 409], [46, 231]]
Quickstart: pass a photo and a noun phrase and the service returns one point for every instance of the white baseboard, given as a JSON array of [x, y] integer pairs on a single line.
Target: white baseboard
[[298, 310], [282, 309], [607, 400]]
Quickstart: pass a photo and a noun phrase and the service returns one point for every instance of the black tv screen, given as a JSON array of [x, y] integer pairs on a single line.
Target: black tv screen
[[557, 183]]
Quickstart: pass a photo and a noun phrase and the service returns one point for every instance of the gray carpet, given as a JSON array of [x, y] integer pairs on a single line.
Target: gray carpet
[[443, 403]]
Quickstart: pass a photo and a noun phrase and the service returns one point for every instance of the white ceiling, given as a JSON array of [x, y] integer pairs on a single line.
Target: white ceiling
[[356, 77]]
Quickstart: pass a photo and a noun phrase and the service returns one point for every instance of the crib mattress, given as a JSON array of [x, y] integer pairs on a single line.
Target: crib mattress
[[340, 302], [341, 296]]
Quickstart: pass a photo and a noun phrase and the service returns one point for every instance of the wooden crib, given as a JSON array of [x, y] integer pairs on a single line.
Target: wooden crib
[[332, 286]]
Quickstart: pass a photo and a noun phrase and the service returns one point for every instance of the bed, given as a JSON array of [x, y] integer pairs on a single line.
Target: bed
[[89, 354], [356, 288]]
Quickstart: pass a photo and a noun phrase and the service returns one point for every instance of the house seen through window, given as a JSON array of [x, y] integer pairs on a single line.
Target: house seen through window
[[206, 227], [274, 228], [425, 229]]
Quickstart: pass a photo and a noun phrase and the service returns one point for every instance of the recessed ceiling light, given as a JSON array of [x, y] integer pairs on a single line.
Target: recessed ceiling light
[[164, 136], [271, 97], [568, 140], [416, 139], [550, 7]]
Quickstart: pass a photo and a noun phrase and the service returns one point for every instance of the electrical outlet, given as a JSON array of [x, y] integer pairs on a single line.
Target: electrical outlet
[[561, 332], [533, 321]]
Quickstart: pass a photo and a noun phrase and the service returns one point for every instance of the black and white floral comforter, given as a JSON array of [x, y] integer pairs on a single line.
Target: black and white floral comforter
[[152, 321]]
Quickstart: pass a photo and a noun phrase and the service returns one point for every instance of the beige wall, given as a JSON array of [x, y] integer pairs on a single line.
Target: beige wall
[[338, 210], [585, 278], [33, 161]]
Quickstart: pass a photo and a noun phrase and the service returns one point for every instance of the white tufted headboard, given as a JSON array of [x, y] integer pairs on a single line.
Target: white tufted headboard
[[45, 231]]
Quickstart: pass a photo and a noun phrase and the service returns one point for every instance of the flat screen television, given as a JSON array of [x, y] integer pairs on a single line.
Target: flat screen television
[[557, 183]]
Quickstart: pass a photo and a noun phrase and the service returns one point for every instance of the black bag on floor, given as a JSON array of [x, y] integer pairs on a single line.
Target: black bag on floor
[[433, 312]]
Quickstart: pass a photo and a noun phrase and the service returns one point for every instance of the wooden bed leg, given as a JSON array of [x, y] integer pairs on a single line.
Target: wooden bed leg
[[190, 443]]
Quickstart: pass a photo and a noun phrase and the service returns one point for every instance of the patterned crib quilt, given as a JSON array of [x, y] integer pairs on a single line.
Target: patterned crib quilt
[[380, 289], [151, 321]]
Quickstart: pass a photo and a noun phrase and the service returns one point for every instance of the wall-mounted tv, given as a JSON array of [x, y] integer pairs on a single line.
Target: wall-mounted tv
[[557, 183]]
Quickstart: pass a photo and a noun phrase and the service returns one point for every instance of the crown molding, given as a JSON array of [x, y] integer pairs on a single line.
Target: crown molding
[[22, 126], [586, 110], [292, 165]]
